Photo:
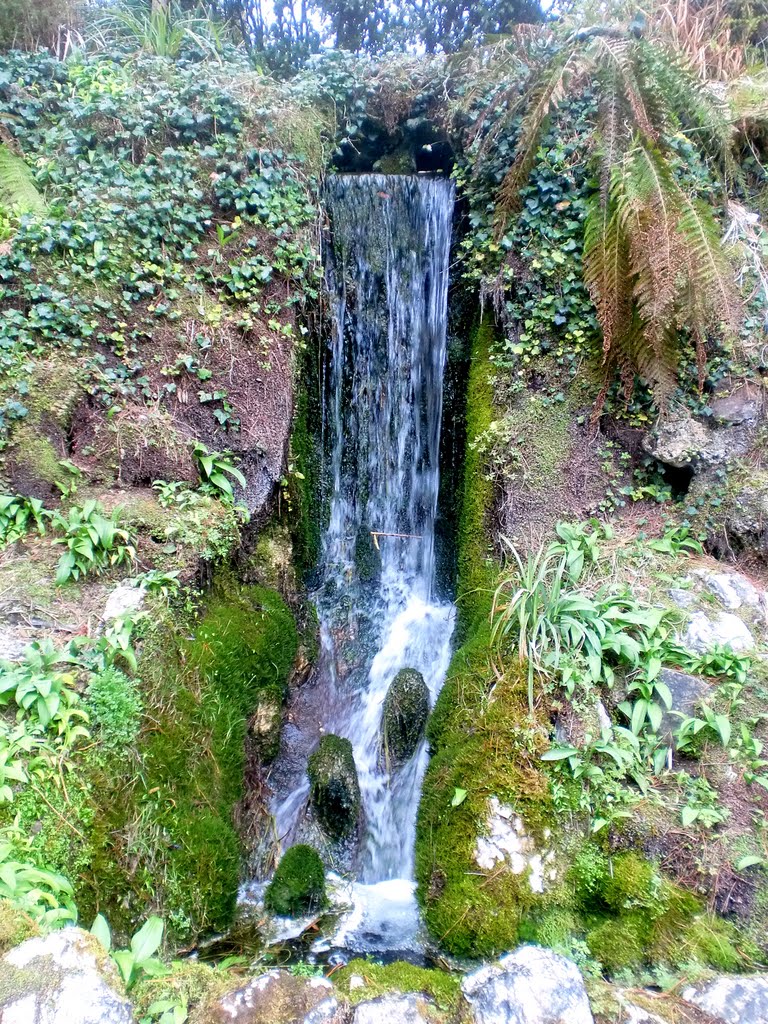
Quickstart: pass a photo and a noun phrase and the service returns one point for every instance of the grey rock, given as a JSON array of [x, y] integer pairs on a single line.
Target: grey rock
[[63, 978], [682, 441], [393, 1009], [730, 588], [682, 598], [124, 600], [11, 646], [277, 997], [686, 692], [735, 999], [725, 630], [743, 405], [530, 986]]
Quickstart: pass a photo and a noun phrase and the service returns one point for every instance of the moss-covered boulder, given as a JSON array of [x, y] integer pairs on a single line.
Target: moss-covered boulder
[[406, 709], [334, 789], [298, 886]]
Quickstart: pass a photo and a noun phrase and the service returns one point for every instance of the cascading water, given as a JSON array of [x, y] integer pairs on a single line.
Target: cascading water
[[387, 276]]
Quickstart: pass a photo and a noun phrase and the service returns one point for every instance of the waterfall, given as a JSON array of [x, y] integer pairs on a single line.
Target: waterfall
[[387, 279]]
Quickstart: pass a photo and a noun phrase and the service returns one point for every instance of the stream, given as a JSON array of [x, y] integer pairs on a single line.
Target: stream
[[387, 279]]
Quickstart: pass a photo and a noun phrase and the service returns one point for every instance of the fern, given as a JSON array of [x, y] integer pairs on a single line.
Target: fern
[[17, 190]]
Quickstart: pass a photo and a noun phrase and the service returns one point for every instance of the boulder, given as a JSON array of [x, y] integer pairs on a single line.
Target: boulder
[[686, 692], [333, 785], [299, 883], [124, 600], [404, 718], [735, 999], [530, 986], [724, 630], [64, 978], [276, 997], [395, 1009], [732, 590]]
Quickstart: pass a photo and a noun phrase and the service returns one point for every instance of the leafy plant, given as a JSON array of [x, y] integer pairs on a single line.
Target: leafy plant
[[702, 805], [691, 726], [215, 470], [41, 691], [93, 542], [45, 895], [139, 959], [18, 516], [17, 188]]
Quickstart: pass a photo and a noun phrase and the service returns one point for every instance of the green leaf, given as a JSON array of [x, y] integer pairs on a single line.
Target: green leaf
[[723, 727], [639, 712], [147, 939], [751, 860], [689, 815], [126, 962], [459, 796], [559, 753], [100, 928]]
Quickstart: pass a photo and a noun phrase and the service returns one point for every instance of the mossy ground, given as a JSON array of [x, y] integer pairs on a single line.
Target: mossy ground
[[381, 979], [149, 824]]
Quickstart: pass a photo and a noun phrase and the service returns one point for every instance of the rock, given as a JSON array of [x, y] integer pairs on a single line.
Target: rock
[[334, 788], [507, 840], [264, 724], [686, 692], [743, 405], [725, 630], [682, 441], [746, 521], [404, 718], [730, 588], [735, 999], [682, 598], [64, 978], [530, 986], [299, 883], [395, 1009], [124, 600], [276, 997], [12, 647]]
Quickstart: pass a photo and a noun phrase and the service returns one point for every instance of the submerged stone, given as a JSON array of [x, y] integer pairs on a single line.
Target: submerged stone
[[406, 709], [299, 883], [334, 788]]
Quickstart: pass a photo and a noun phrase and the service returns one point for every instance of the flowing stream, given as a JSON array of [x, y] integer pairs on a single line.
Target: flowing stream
[[387, 277]]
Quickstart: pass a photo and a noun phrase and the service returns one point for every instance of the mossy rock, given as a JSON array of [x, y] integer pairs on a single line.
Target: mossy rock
[[386, 979], [404, 718], [334, 787], [298, 886], [15, 926]]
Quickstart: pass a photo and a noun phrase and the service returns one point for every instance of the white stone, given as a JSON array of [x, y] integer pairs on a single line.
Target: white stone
[[71, 982], [725, 630], [124, 600], [394, 1009], [355, 982], [530, 986], [735, 999]]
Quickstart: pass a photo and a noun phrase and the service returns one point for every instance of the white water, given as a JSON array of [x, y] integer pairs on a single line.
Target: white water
[[387, 276]]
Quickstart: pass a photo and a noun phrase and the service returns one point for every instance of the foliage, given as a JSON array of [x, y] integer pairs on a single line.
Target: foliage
[[114, 707], [93, 542], [215, 470], [139, 959], [45, 895], [19, 516], [17, 189]]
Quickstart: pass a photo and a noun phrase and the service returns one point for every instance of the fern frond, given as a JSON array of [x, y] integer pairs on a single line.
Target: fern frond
[[712, 282], [621, 54], [547, 97], [610, 131], [606, 270], [17, 190]]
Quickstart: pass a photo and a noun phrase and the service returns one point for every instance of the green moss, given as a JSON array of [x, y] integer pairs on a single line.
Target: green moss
[[189, 982], [404, 715], [632, 882], [588, 874], [298, 886], [483, 744], [476, 565], [381, 979], [620, 943], [333, 786], [15, 926], [163, 830], [554, 927]]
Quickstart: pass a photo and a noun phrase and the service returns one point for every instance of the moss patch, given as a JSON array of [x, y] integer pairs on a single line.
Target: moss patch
[[381, 979], [299, 883], [15, 926]]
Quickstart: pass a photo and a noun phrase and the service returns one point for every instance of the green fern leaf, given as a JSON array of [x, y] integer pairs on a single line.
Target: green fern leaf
[[17, 190]]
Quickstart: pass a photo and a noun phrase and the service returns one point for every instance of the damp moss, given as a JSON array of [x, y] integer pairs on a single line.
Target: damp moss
[[382, 979], [15, 926], [483, 745], [298, 886], [620, 943], [163, 829], [404, 716], [476, 565]]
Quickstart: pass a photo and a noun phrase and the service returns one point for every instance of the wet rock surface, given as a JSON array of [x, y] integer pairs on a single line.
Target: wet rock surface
[[404, 717], [276, 997], [530, 986], [395, 1009], [64, 978], [334, 788]]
